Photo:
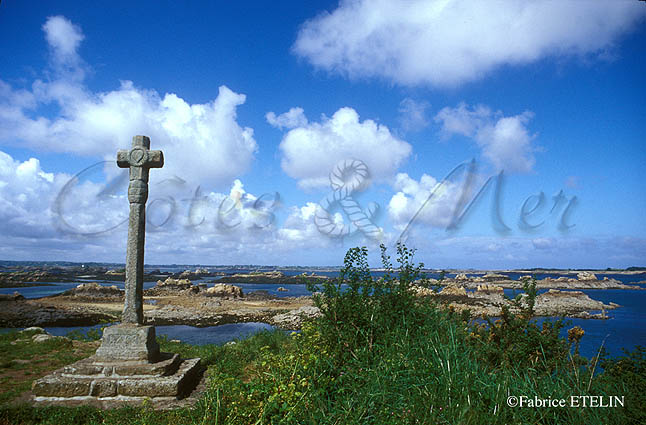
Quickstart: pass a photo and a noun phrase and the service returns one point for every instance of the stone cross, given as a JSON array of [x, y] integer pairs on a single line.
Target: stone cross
[[139, 160]]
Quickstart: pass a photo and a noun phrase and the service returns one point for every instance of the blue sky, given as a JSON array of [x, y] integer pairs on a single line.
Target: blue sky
[[257, 105]]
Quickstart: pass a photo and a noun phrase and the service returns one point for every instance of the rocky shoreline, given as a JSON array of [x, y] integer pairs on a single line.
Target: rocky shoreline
[[34, 276], [274, 277], [181, 302], [584, 280], [14, 277], [488, 300]]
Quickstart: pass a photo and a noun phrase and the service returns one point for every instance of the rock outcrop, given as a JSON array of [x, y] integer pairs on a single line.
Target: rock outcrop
[[224, 290], [489, 277], [422, 291], [11, 297], [293, 319], [454, 290], [36, 334], [22, 313], [489, 289], [20, 278], [172, 286], [488, 299], [274, 276], [93, 290], [586, 276], [555, 302], [585, 280]]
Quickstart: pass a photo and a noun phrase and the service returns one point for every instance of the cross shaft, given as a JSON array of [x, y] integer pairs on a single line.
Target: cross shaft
[[139, 159]]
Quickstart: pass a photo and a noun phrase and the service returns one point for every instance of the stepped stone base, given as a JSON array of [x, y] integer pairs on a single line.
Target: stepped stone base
[[126, 370], [99, 384]]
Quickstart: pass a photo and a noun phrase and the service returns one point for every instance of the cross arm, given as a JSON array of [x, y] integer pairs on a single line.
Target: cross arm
[[123, 159], [155, 159], [152, 159]]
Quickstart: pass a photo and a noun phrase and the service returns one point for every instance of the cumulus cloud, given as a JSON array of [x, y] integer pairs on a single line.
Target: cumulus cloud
[[21, 184], [295, 117], [58, 216], [202, 142], [236, 227], [63, 36], [27, 221], [411, 198], [505, 141], [311, 149], [299, 227], [449, 42], [64, 39]]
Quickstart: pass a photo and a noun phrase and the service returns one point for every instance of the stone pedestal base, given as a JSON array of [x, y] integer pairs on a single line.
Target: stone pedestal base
[[128, 342], [127, 369]]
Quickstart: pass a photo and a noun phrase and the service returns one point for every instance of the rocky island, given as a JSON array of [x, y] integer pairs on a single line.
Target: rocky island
[[179, 301], [275, 276], [583, 280]]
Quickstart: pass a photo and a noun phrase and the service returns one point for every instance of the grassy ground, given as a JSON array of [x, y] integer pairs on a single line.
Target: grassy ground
[[430, 375], [22, 360]]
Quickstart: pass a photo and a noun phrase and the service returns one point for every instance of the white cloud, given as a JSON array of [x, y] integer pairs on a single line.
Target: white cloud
[[290, 119], [26, 194], [53, 216], [412, 114], [310, 151], [505, 141], [411, 199], [63, 36], [202, 143], [449, 42], [543, 243], [299, 226], [63, 39], [234, 227], [48, 216]]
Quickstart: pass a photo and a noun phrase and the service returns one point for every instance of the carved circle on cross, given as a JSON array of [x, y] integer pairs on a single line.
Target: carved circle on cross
[[138, 156]]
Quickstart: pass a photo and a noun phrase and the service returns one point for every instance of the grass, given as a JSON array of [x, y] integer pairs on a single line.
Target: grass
[[430, 374], [22, 360], [381, 356]]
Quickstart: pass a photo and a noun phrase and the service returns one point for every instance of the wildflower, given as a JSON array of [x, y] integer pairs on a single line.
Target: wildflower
[[575, 334]]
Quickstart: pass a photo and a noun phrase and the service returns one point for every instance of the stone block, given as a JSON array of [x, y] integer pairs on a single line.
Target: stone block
[[128, 342], [58, 386], [168, 386], [148, 387], [167, 365], [103, 388], [83, 367]]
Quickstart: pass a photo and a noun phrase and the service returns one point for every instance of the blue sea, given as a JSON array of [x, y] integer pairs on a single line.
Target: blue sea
[[625, 328]]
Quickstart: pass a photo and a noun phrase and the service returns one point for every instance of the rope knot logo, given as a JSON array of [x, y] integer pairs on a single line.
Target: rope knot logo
[[347, 177]]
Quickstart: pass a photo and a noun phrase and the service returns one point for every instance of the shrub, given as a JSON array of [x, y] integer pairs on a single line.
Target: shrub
[[357, 309], [516, 340], [626, 375]]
